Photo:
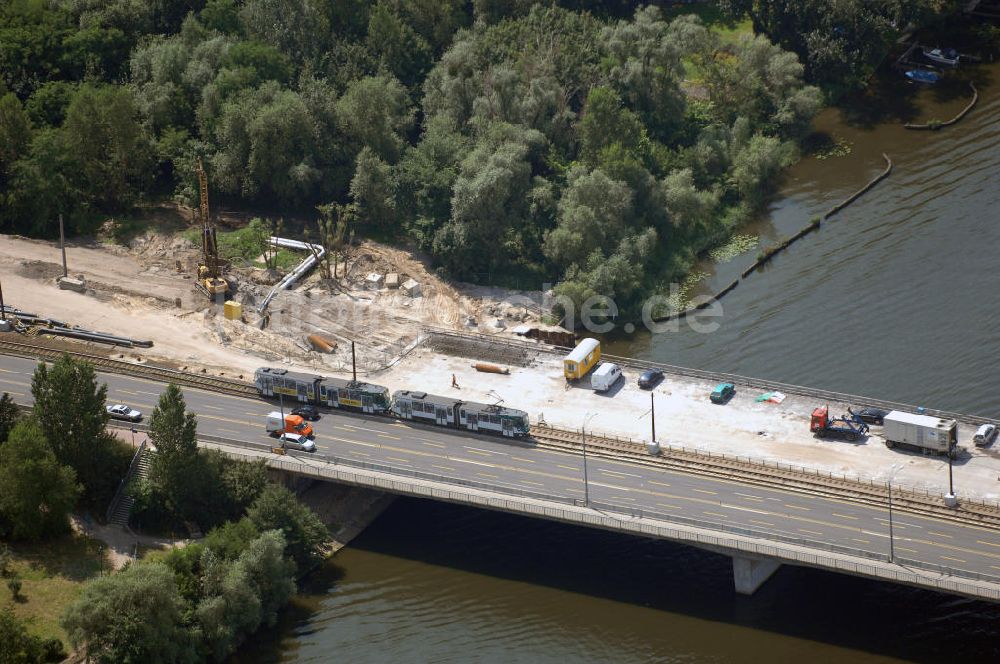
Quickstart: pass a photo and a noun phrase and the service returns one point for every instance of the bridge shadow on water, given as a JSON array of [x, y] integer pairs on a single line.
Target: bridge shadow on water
[[657, 581]]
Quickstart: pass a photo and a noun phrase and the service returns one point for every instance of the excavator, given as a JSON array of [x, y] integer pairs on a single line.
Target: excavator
[[210, 280]]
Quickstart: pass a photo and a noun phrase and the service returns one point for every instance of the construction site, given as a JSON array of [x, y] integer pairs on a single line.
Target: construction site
[[170, 299]]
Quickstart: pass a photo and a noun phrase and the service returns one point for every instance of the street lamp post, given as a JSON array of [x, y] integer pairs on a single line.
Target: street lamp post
[[891, 545], [583, 439], [652, 412]]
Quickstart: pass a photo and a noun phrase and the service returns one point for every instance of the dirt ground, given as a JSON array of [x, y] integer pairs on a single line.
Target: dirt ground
[[138, 291]]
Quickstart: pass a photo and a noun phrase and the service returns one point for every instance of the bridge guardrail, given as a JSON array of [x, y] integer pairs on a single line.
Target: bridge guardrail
[[295, 462]]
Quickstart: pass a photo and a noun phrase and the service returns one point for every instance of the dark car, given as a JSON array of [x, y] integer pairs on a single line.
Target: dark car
[[872, 415], [306, 412], [650, 378], [722, 393]]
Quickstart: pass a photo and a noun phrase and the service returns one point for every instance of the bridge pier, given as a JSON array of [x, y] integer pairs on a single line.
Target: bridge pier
[[749, 574]]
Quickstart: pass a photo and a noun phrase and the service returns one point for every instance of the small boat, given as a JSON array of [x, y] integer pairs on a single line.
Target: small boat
[[922, 76], [948, 57]]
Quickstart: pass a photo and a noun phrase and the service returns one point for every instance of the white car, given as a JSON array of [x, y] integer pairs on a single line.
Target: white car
[[122, 412], [985, 435], [295, 441]]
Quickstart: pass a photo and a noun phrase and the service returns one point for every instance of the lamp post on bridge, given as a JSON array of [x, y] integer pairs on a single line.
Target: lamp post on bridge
[[583, 439], [892, 476]]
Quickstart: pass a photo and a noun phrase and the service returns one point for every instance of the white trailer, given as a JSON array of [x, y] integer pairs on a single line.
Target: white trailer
[[923, 433]]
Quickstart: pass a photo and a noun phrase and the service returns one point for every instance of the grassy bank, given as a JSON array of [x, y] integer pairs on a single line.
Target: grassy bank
[[52, 574]]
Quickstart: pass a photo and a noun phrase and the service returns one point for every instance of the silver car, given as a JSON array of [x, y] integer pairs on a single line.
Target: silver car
[[295, 441], [122, 412]]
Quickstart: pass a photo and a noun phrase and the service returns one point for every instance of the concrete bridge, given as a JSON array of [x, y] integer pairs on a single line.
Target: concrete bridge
[[760, 527]]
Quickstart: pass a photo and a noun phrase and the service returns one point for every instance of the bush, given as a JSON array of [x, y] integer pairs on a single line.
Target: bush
[[14, 584]]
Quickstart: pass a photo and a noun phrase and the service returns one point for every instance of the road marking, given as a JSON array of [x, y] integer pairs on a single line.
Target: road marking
[[488, 475], [443, 467], [389, 436], [397, 459], [748, 496], [476, 463], [611, 486], [136, 393], [622, 498], [12, 382], [530, 482], [433, 444], [567, 467], [721, 516], [903, 548], [673, 507], [479, 452], [616, 472], [14, 394], [156, 394], [208, 405], [657, 483], [931, 532], [711, 493], [810, 532], [524, 460], [957, 560], [988, 543], [574, 490], [762, 523], [348, 440], [845, 516], [798, 507], [229, 431], [855, 539]]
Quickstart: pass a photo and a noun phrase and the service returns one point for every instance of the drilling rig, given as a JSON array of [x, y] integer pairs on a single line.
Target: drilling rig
[[210, 280]]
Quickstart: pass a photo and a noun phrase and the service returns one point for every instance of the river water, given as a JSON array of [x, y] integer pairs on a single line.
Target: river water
[[897, 296]]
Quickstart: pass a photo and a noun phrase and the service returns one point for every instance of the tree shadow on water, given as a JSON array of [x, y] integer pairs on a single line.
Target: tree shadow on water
[[890, 97]]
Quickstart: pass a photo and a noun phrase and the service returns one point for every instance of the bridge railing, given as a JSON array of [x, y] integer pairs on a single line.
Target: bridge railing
[[306, 464]]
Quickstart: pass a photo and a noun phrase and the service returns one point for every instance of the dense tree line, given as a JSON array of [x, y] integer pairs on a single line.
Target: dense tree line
[[553, 138], [200, 602], [840, 42]]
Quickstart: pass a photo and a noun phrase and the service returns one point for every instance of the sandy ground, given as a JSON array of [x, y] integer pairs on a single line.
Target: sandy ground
[[133, 291], [686, 418]]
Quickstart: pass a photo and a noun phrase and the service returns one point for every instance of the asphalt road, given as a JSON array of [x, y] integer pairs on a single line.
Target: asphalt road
[[520, 465]]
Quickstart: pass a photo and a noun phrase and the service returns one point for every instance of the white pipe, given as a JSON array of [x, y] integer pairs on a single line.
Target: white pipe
[[293, 276]]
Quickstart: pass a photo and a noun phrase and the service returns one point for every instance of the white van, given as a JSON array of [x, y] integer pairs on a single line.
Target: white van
[[605, 377]]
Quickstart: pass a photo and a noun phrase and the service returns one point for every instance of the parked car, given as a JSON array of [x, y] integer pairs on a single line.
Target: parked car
[[306, 412], [722, 393], [122, 412], [650, 378], [872, 415], [985, 435], [605, 377], [294, 441]]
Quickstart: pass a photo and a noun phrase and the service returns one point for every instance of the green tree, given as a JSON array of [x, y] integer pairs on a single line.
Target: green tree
[[69, 406], [243, 595], [401, 51], [21, 647], [593, 213], [373, 191], [9, 415], [376, 112], [112, 153], [300, 28], [605, 122], [277, 508], [176, 470], [15, 134], [132, 617], [37, 493]]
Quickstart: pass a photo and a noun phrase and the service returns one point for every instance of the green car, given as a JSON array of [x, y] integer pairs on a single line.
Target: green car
[[723, 392]]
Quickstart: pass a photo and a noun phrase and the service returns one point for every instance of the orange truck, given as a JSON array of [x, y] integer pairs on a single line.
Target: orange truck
[[292, 424]]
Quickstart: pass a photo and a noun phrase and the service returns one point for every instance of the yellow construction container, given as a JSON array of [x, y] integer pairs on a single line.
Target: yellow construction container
[[232, 310]]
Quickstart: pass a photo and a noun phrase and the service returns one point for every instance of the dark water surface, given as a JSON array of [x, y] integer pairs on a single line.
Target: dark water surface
[[897, 297]]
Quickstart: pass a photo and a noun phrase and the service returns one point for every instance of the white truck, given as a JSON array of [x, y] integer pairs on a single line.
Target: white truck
[[922, 433]]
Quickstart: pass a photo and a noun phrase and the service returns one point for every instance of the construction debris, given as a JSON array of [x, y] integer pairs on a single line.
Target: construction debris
[[232, 310], [486, 367], [392, 280], [374, 281], [411, 288], [69, 283], [321, 344]]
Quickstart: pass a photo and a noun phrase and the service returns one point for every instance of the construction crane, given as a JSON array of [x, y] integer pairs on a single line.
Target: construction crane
[[210, 280]]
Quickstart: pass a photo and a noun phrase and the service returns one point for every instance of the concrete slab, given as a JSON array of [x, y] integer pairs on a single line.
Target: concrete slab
[[749, 574], [769, 432]]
